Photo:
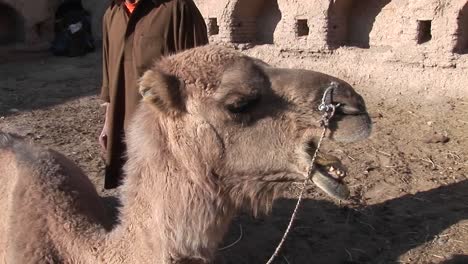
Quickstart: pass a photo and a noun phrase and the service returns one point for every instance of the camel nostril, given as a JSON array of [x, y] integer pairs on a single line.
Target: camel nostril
[[349, 110]]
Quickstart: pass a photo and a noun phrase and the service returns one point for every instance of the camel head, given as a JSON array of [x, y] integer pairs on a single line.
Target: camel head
[[252, 127]]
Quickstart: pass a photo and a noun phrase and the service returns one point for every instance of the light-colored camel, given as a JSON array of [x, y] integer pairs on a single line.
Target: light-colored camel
[[216, 131]]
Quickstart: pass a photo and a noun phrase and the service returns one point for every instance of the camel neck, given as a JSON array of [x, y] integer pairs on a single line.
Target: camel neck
[[129, 244], [168, 222], [165, 212]]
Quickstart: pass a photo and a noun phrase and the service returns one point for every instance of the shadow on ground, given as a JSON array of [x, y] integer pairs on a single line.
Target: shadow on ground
[[457, 259], [327, 233], [30, 81]]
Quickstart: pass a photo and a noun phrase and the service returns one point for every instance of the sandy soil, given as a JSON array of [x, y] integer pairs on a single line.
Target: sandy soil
[[409, 180]]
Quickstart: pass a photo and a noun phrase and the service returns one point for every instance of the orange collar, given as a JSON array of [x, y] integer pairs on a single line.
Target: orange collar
[[130, 7]]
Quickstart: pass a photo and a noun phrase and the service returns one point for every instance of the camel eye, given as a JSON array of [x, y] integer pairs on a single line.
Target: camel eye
[[243, 105]]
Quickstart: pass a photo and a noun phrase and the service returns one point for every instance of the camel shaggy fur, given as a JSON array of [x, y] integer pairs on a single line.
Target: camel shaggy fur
[[216, 131]]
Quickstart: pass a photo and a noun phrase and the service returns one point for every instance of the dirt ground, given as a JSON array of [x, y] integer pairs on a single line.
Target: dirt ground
[[409, 180]]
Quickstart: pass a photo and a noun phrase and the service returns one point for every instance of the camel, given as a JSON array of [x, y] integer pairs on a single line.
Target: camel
[[216, 131]]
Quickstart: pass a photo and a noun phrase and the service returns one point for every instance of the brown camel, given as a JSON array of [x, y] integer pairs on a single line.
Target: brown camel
[[216, 131]]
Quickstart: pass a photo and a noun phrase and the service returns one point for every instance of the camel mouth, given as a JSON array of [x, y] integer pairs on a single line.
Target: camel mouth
[[330, 179], [327, 164], [329, 173]]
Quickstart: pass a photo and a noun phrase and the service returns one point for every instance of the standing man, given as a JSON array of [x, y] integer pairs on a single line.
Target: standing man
[[135, 33]]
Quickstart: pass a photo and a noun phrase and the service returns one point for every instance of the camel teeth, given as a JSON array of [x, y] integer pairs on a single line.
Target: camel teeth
[[331, 169]]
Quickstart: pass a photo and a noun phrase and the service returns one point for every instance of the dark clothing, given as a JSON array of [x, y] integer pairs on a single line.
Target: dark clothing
[[130, 45], [73, 36]]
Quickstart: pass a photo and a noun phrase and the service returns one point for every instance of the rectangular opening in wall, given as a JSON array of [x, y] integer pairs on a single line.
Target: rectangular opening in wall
[[302, 28], [424, 31], [213, 28]]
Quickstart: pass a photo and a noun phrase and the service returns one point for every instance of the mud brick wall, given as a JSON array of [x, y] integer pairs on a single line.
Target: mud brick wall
[[431, 25], [403, 26]]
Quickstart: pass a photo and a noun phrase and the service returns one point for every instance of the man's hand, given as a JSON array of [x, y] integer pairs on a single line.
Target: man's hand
[[103, 138], [103, 135]]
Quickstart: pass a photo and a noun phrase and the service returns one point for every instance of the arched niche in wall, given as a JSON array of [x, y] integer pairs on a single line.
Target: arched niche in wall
[[338, 22], [11, 25], [254, 21], [461, 35], [350, 22]]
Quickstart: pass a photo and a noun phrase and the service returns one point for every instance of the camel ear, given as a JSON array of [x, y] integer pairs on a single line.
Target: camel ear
[[163, 91]]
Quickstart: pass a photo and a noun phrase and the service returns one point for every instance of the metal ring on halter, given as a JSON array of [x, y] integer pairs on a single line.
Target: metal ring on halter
[[327, 106], [327, 95]]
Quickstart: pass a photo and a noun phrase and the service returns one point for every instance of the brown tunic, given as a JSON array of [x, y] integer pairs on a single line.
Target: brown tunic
[[130, 44]]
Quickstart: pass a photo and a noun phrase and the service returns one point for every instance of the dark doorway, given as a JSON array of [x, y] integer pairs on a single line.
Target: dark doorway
[[338, 23], [255, 21], [461, 46], [267, 21], [11, 25], [350, 22]]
